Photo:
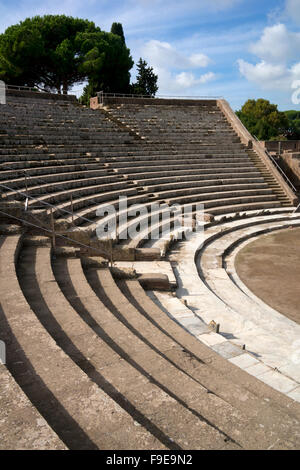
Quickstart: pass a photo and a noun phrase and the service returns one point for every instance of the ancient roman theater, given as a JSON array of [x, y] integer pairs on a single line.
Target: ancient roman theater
[[189, 339]]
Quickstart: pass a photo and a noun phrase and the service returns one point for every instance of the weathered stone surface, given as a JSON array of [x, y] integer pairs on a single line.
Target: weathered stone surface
[[66, 251], [36, 240], [103, 364], [147, 254], [10, 229], [154, 281], [123, 273], [94, 262]]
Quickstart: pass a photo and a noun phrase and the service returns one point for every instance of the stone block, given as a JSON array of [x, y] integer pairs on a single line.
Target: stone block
[[147, 254], [123, 273], [154, 281]]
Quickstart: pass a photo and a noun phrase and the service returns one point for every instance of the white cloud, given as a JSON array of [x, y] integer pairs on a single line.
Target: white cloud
[[162, 54], [277, 44], [171, 83], [295, 70], [199, 60], [279, 66], [292, 9], [188, 80], [265, 74], [166, 61], [270, 76]]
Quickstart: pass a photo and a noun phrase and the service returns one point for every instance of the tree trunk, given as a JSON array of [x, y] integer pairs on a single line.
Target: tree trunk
[[65, 87]]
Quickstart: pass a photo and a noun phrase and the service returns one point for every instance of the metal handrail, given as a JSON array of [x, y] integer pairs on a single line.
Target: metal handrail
[[35, 89], [245, 128], [102, 94], [57, 234], [123, 95], [51, 206], [159, 96], [277, 166], [47, 204], [297, 209], [21, 87]]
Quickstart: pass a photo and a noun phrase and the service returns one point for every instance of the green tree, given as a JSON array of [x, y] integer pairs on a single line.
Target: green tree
[[106, 61], [55, 52], [117, 28], [293, 132], [43, 52], [263, 119], [146, 80]]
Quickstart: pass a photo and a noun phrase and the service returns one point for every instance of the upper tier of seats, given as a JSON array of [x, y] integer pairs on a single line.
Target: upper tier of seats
[[59, 153]]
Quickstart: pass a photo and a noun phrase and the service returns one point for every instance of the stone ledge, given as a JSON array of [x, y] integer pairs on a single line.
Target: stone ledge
[[40, 95]]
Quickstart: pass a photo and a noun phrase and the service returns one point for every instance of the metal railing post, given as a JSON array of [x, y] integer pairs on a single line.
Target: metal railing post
[[72, 209], [111, 252], [26, 185], [2, 92], [52, 228]]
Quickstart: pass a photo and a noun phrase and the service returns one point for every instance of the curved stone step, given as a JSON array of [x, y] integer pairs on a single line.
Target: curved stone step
[[107, 348], [52, 192], [21, 425], [223, 385], [244, 328], [275, 324], [45, 373], [160, 340]]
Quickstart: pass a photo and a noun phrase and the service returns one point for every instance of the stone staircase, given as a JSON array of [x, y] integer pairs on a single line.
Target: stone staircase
[[202, 159], [58, 152], [93, 362], [141, 381]]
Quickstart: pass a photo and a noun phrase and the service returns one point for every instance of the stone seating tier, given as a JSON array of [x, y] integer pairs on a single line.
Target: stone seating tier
[[92, 361], [105, 340]]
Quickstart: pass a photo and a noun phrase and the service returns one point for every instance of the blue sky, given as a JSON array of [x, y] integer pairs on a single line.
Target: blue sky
[[237, 49]]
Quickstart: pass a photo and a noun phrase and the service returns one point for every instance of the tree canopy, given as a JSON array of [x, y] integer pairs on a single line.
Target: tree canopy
[[106, 63], [54, 52], [263, 119], [293, 132], [146, 80], [43, 52], [117, 28]]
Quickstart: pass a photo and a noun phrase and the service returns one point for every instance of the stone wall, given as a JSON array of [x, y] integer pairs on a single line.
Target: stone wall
[[280, 146], [248, 140], [94, 103], [290, 163]]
